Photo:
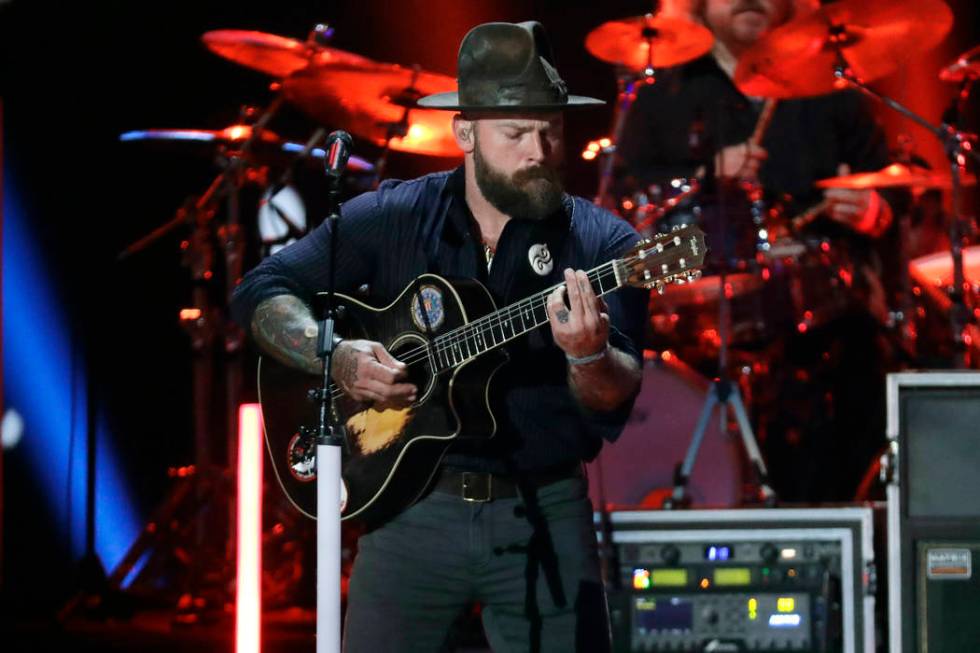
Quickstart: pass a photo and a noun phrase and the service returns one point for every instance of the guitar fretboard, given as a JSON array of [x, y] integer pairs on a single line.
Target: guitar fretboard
[[493, 330]]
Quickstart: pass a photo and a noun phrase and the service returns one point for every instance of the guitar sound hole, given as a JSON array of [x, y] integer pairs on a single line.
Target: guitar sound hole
[[410, 349]]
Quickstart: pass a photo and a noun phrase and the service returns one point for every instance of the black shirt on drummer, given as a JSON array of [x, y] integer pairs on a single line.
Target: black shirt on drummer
[[806, 140]]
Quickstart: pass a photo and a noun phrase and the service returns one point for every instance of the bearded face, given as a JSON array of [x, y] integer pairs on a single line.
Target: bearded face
[[744, 21], [532, 193]]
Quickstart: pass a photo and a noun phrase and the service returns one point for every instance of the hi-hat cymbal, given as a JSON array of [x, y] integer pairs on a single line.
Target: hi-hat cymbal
[[274, 55], [966, 66], [875, 36], [371, 101], [895, 175], [653, 40], [268, 145]]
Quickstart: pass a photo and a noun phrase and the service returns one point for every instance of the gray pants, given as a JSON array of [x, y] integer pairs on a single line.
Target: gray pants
[[532, 563]]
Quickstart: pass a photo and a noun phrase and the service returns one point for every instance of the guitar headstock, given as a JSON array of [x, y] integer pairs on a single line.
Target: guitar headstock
[[675, 257]]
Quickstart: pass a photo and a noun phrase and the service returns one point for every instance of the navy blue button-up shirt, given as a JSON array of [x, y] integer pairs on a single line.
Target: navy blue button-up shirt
[[390, 236]]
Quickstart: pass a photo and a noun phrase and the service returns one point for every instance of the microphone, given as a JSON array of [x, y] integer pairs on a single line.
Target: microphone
[[338, 147]]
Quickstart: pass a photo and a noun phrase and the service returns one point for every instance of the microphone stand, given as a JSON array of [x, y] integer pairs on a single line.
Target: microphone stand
[[331, 435]]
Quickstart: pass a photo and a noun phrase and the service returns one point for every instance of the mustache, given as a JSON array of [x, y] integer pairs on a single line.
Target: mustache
[[521, 177], [749, 5]]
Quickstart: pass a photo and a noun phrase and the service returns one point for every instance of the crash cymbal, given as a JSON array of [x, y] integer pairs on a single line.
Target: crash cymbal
[[875, 36], [372, 100], [268, 145], [652, 40], [275, 55], [895, 175], [966, 66]]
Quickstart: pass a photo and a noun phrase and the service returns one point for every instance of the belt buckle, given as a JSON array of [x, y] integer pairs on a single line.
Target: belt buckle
[[476, 487]]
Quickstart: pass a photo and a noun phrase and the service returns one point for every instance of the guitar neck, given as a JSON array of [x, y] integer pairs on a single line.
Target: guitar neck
[[495, 329]]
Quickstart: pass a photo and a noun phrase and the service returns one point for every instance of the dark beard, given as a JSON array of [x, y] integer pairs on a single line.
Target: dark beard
[[533, 194]]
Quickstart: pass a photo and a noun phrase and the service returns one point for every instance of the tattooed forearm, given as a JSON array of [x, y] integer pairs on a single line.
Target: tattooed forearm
[[285, 329], [607, 382], [345, 367]]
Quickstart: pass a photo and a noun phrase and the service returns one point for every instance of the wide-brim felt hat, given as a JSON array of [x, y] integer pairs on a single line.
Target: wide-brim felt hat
[[507, 67]]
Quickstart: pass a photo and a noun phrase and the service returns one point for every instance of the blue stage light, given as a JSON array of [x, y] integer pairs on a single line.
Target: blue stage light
[[44, 380]]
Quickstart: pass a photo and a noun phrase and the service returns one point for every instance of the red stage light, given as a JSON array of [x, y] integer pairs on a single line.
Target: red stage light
[[248, 606]]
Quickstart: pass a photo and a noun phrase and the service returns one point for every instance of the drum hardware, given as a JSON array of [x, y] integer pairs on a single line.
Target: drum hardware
[[210, 330], [637, 46], [858, 43], [966, 67], [336, 87], [371, 100], [723, 393], [872, 38], [279, 56], [896, 175]]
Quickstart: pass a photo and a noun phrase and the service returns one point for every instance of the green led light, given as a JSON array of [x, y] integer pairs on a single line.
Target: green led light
[[733, 576], [669, 577]]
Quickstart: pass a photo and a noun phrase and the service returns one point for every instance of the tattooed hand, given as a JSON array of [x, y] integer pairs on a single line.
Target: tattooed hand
[[365, 371], [581, 329]]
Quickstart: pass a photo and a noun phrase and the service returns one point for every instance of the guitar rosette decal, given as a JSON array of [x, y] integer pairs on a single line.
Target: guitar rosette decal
[[540, 258], [434, 308], [301, 458]]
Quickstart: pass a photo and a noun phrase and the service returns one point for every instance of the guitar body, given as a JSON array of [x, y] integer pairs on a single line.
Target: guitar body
[[449, 334], [392, 453]]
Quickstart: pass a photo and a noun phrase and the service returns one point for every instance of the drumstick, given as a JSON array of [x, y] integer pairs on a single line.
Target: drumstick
[[803, 219], [762, 124]]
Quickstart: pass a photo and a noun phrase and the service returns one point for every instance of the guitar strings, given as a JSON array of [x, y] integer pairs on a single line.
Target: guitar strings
[[443, 343]]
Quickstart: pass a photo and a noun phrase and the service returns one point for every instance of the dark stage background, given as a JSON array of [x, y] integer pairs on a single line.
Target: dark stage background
[[76, 75]]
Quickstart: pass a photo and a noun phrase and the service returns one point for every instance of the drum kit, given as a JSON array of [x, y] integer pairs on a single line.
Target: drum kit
[[844, 44], [334, 88], [774, 279]]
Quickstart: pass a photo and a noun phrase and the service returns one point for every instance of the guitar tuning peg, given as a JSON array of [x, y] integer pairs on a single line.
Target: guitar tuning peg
[[659, 287]]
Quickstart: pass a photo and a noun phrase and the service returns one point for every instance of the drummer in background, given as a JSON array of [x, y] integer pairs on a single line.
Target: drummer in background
[[826, 420]]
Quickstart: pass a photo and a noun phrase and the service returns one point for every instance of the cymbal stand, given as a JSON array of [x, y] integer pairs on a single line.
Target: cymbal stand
[[206, 323], [723, 392], [958, 146], [407, 98], [626, 82]]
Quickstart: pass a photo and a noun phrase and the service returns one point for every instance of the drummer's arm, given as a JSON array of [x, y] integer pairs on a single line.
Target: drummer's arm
[[865, 211], [863, 148]]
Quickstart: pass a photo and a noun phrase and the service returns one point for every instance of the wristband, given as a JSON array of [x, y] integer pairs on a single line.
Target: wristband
[[591, 358]]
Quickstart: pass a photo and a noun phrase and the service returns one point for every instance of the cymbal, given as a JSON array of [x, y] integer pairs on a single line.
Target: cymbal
[[895, 175], [274, 55], [371, 100], [707, 290], [650, 40], [268, 144], [966, 66], [876, 36]]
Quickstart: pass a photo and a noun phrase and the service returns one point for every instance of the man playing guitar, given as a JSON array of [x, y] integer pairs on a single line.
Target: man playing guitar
[[507, 522]]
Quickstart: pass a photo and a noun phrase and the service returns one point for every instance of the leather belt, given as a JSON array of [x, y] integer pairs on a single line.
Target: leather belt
[[481, 487]]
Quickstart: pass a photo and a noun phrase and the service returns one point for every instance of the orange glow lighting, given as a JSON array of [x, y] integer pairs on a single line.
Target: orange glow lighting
[[248, 603], [588, 155], [604, 142], [592, 146], [190, 314], [237, 132]]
